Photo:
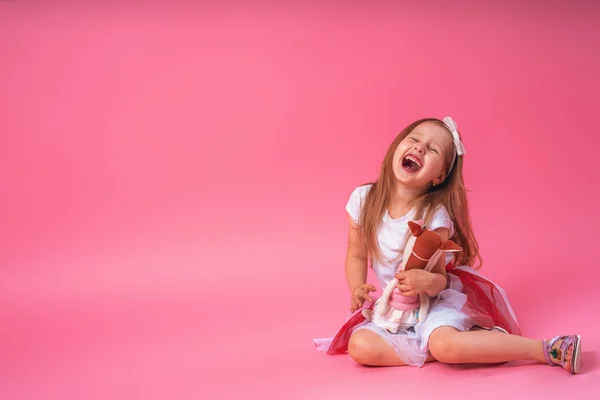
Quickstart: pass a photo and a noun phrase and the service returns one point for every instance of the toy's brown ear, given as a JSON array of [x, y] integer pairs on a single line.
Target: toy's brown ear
[[415, 228], [450, 246]]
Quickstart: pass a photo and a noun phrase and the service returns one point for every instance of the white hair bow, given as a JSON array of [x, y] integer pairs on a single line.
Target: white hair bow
[[451, 125]]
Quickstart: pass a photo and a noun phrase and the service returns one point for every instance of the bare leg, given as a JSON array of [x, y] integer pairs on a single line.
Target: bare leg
[[449, 345], [368, 348]]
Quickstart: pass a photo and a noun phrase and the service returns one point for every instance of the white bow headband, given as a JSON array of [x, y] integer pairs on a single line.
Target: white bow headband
[[453, 128]]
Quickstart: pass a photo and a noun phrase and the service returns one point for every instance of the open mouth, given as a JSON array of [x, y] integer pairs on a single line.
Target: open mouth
[[411, 163]]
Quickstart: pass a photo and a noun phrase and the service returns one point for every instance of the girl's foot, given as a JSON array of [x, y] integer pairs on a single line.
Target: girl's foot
[[564, 351]]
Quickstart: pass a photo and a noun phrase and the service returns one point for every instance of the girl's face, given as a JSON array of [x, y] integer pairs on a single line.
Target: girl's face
[[419, 160]]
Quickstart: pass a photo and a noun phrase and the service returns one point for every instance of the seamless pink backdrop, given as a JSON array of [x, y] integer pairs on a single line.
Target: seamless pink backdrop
[[174, 178]]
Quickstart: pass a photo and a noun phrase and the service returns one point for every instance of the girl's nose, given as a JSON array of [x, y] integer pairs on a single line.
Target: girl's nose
[[419, 148]]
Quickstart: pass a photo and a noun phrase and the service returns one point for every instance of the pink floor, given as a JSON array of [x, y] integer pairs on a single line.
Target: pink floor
[[163, 323], [173, 182]]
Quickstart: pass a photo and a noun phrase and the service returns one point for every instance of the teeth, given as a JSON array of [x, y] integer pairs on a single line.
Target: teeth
[[415, 160]]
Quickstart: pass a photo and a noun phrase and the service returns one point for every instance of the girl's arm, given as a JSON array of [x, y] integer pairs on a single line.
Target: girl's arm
[[356, 258], [439, 280]]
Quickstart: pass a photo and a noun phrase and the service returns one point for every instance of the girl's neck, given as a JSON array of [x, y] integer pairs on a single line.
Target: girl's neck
[[402, 200]]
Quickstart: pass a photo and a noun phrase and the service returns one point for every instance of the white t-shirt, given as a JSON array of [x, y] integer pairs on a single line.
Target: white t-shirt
[[392, 233]]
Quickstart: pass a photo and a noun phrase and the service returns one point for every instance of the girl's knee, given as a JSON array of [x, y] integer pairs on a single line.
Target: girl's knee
[[441, 344], [361, 349]]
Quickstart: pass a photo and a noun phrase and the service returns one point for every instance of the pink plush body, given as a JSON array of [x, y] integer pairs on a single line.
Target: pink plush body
[[404, 303]]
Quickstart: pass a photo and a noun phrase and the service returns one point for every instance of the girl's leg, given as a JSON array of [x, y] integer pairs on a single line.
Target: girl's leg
[[368, 348], [449, 345]]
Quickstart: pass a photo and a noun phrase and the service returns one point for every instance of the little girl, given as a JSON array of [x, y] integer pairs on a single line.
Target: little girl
[[470, 319]]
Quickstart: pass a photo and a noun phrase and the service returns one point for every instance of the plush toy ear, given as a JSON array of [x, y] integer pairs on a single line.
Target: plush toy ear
[[450, 246], [415, 228]]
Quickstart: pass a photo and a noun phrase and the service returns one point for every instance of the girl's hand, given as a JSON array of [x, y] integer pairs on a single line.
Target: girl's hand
[[414, 281], [360, 294]]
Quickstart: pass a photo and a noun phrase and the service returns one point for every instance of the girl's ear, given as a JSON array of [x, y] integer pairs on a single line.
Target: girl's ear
[[439, 179]]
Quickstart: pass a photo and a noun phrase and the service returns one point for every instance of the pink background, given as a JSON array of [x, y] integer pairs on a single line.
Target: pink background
[[173, 181]]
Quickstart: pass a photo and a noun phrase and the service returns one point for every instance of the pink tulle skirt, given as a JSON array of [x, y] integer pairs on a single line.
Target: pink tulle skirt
[[470, 299]]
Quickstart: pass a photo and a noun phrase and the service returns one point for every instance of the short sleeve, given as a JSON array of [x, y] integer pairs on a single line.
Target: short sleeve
[[441, 219], [356, 201]]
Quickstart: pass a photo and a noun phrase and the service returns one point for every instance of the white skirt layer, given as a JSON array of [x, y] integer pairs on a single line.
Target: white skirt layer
[[411, 345]]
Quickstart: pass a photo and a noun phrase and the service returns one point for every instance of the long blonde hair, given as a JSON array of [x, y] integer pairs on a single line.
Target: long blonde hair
[[451, 194]]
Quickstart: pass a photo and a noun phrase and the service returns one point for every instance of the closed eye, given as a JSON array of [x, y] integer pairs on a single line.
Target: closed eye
[[413, 139], [434, 150]]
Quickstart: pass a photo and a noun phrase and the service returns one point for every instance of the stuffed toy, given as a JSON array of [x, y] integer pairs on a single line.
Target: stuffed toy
[[393, 310]]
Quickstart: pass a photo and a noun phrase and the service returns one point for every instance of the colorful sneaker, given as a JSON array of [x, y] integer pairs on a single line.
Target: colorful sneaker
[[557, 356]]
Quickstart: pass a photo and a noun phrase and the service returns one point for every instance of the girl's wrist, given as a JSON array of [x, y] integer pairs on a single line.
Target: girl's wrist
[[438, 283], [355, 285]]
